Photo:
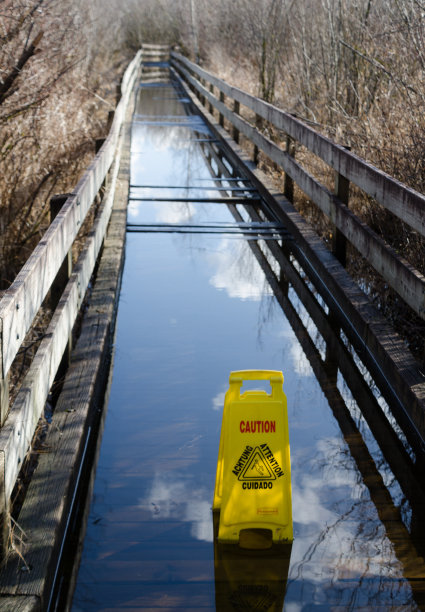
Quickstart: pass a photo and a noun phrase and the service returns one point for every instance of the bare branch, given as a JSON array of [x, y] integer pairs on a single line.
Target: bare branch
[[6, 87], [378, 65]]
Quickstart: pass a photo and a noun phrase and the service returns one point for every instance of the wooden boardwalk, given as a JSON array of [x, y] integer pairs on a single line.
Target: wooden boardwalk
[[32, 563]]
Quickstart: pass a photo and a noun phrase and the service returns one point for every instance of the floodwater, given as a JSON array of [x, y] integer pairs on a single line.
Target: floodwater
[[195, 305]]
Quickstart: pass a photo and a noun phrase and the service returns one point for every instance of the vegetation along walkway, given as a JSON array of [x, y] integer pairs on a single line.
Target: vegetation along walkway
[[222, 272]]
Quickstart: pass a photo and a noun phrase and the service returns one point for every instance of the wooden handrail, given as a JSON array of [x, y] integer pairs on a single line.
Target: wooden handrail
[[408, 282], [402, 201], [22, 300]]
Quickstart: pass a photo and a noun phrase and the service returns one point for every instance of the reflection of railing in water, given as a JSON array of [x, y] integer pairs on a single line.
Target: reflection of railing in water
[[382, 351], [409, 544]]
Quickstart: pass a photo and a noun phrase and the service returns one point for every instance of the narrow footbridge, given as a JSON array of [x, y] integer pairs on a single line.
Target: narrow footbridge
[[183, 164]]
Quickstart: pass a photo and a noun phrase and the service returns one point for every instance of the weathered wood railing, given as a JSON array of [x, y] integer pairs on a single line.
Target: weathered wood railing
[[22, 301], [407, 204]]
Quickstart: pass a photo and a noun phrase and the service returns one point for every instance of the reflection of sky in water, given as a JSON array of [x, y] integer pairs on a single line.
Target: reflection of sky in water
[[182, 500], [237, 271], [192, 309]]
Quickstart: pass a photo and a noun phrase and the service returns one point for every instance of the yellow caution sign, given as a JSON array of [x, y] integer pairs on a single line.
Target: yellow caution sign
[[253, 481]]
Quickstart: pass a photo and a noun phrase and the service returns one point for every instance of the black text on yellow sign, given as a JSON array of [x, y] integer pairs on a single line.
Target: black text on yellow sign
[[253, 481]]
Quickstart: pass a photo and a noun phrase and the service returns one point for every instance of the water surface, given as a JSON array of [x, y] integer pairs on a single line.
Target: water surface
[[194, 307]]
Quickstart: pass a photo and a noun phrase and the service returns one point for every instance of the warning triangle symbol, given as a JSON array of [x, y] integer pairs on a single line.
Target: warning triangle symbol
[[257, 467]]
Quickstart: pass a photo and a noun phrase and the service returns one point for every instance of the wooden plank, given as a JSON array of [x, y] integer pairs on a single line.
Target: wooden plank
[[156, 46], [404, 202], [408, 282], [20, 604], [181, 596]]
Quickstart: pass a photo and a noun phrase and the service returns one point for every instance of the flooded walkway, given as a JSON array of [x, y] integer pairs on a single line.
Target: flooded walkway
[[207, 290]]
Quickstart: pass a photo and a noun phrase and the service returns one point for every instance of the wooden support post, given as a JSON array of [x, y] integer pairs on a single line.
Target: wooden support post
[[4, 503], [339, 241], [221, 117], [331, 363], [258, 125], [61, 280], [5, 523], [4, 383], [4, 398], [203, 82], [110, 120], [288, 185], [236, 110], [211, 107], [98, 143], [283, 281]]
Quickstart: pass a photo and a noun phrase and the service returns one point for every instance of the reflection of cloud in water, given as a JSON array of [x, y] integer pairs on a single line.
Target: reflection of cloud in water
[[300, 362], [218, 401], [164, 212], [173, 213], [237, 271], [178, 499], [153, 137]]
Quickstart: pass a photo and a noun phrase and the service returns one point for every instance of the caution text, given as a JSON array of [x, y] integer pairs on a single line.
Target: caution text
[[257, 426]]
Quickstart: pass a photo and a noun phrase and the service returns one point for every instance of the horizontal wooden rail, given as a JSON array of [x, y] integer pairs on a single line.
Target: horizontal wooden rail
[[402, 201], [24, 297], [398, 273], [17, 433]]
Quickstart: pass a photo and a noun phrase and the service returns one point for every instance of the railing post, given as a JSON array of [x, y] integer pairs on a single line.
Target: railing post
[[4, 515], [4, 398], [330, 362], [110, 120], [211, 107], [221, 117], [4, 503], [288, 184], [203, 82], [258, 125], [61, 280], [98, 145], [4, 382], [339, 241], [236, 110]]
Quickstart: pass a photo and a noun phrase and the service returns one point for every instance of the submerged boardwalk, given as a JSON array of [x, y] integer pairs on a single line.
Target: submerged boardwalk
[[221, 274]]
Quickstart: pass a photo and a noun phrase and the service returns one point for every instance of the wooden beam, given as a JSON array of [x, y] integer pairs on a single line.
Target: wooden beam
[[22, 300], [339, 241], [408, 282], [402, 201]]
